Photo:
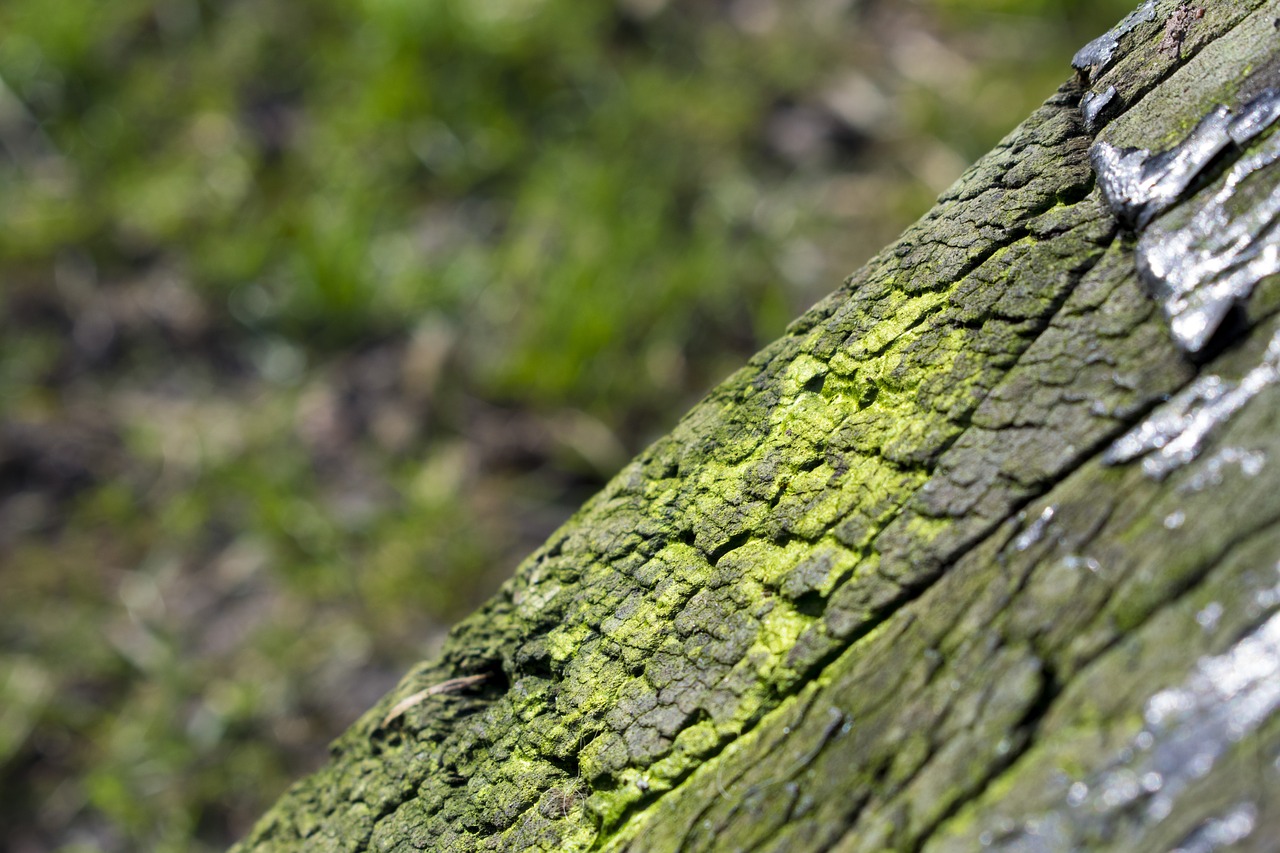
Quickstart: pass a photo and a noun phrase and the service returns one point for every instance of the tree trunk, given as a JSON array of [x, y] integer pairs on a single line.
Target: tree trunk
[[944, 567]]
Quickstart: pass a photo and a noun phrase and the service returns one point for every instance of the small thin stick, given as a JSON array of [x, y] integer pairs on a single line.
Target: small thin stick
[[450, 686]]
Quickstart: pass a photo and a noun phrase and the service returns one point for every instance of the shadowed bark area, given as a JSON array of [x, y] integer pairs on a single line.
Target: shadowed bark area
[[879, 590]]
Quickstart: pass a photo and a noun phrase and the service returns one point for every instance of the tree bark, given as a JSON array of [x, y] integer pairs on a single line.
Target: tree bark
[[902, 583]]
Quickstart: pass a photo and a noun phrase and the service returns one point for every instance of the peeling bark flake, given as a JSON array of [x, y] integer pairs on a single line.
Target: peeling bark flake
[[1204, 257], [1094, 104], [1096, 56]]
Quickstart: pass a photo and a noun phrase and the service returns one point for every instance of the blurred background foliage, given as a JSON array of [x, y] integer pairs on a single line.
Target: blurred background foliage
[[318, 316]]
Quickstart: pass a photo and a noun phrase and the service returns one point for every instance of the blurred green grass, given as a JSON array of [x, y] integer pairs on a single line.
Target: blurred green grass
[[317, 317]]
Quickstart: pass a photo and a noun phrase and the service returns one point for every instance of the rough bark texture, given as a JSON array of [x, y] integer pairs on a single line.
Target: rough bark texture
[[879, 591]]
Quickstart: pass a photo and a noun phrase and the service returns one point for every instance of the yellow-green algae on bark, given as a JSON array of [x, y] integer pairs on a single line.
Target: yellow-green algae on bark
[[875, 592]]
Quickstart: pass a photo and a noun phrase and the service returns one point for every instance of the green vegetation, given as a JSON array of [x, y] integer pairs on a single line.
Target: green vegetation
[[319, 316]]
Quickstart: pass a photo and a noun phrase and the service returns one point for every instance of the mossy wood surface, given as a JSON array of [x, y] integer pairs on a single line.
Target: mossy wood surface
[[878, 591]]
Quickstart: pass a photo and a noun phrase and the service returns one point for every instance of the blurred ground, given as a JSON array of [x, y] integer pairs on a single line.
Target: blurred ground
[[318, 316]]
